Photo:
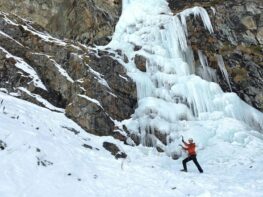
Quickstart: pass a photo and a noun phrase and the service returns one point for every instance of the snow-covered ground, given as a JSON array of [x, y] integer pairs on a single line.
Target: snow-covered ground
[[44, 158]]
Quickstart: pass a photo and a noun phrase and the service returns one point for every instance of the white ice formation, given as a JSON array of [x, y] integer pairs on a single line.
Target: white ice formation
[[169, 92]]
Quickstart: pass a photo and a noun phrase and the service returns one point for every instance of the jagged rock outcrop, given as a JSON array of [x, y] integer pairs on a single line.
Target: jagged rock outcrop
[[89, 84], [237, 36], [86, 21]]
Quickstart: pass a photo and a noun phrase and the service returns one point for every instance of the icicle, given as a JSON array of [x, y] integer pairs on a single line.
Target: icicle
[[213, 10], [197, 11], [189, 58], [223, 70], [145, 86], [176, 31], [207, 73]]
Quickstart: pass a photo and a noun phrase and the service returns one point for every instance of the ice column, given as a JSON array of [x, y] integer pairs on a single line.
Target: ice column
[[207, 72], [223, 70]]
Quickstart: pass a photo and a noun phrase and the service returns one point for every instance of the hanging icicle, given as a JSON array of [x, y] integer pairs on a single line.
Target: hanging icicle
[[223, 70]]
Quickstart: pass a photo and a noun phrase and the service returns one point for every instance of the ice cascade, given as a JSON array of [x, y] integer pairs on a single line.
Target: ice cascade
[[169, 92]]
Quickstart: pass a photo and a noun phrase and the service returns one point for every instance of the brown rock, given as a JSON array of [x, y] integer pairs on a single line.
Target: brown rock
[[115, 151], [140, 62], [87, 21], [260, 35], [249, 22], [90, 116]]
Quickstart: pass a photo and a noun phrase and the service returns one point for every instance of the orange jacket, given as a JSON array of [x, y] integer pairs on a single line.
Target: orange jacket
[[190, 148]]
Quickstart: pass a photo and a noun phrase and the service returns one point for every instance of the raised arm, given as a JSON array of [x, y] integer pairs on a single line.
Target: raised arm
[[184, 142]]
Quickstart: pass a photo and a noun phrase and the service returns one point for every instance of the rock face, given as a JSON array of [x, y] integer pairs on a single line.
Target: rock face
[[82, 20], [90, 85], [238, 27]]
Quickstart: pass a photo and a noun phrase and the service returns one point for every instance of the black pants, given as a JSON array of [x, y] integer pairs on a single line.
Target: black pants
[[189, 158]]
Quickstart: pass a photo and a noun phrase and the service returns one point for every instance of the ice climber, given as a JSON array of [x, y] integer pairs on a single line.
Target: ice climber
[[190, 148]]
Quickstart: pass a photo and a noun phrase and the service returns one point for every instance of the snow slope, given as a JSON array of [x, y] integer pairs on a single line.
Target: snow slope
[[44, 158]]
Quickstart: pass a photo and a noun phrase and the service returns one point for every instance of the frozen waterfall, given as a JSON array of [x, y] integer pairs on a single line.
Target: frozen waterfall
[[170, 94]]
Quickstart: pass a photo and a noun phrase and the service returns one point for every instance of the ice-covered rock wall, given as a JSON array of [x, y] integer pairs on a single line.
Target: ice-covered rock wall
[[170, 92], [237, 37]]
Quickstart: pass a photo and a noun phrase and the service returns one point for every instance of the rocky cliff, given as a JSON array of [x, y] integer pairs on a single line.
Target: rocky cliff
[[82, 20], [238, 37], [90, 85]]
